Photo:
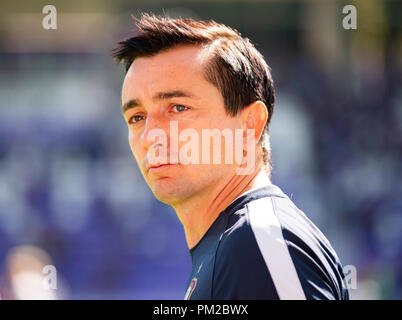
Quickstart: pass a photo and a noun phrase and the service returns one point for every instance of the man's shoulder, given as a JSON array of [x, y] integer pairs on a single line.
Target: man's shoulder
[[267, 234], [275, 217], [261, 219], [240, 271], [263, 211]]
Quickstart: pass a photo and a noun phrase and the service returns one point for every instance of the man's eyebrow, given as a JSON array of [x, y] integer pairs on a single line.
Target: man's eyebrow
[[129, 105], [173, 94], [158, 96]]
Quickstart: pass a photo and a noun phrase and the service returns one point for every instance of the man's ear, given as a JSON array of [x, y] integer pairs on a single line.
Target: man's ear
[[254, 116]]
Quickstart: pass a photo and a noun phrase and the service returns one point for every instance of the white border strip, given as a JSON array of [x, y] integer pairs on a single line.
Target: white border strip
[[268, 233]]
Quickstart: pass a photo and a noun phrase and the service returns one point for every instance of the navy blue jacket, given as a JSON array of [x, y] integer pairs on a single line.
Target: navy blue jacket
[[263, 247]]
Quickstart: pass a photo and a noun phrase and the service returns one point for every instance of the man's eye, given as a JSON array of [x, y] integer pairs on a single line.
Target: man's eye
[[179, 108], [135, 119]]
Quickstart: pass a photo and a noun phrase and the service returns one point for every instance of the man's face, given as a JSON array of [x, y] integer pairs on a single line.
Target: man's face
[[170, 88]]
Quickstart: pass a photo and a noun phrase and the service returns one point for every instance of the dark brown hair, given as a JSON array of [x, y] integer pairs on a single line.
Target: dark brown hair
[[235, 66]]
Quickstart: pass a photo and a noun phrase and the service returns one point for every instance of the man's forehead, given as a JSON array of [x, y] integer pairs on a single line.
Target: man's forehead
[[180, 56], [179, 66]]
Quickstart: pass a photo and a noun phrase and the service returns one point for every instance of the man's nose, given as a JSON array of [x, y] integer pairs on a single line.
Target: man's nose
[[154, 132]]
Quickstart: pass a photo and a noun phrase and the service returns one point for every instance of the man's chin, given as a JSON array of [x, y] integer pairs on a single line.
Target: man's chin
[[168, 190]]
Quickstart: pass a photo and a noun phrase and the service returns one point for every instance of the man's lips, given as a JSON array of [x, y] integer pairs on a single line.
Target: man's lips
[[159, 167]]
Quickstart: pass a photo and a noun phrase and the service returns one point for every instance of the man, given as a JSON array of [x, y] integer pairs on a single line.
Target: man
[[246, 238]]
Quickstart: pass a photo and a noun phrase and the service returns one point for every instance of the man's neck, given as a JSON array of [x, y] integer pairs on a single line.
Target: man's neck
[[200, 213]]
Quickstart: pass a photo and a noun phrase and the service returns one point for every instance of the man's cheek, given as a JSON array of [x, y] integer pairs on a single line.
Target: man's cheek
[[131, 143], [134, 149]]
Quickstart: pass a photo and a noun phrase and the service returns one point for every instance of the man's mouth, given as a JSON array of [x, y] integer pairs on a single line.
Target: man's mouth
[[160, 167]]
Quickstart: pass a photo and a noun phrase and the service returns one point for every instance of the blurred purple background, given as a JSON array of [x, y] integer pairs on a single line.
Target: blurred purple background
[[71, 190]]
